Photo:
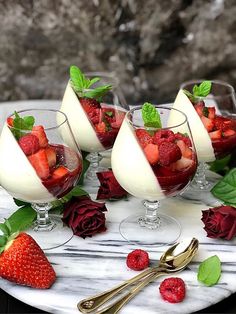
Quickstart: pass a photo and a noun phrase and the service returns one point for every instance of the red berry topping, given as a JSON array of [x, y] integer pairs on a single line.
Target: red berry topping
[[152, 153], [172, 290], [41, 135], [208, 123], [40, 163], [29, 143], [215, 135], [211, 112], [89, 104], [51, 156], [228, 133], [10, 121], [183, 137], [163, 136], [60, 172], [169, 153], [221, 123], [137, 260], [199, 108], [24, 263], [144, 137], [101, 127]]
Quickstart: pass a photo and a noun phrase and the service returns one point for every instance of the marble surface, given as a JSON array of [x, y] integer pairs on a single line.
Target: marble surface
[[86, 267]]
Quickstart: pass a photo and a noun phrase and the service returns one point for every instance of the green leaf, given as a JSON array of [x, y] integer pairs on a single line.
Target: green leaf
[[220, 165], [225, 189], [22, 218], [3, 240], [4, 229], [188, 94], [21, 124], [77, 78], [76, 191], [202, 90], [150, 115], [209, 271], [86, 164], [93, 81], [109, 113], [20, 203], [98, 92]]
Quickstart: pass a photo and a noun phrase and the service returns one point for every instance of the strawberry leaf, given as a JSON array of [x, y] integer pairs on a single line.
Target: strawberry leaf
[[5, 230], [3, 240], [151, 116]]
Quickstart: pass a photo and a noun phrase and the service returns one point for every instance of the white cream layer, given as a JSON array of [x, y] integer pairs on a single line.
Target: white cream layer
[[131, 168], [17, 175]]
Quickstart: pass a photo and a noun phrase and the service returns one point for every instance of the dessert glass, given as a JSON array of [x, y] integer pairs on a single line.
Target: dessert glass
[[222, 98], [43, 173], [145, 176], [95, 130]]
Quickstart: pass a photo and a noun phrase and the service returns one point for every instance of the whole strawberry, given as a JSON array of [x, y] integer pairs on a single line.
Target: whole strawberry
[[23, 262]]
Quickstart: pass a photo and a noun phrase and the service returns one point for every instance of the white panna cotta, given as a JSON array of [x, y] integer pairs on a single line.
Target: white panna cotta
[[82, 128], [17, 175], [201, 138], [131, 168]]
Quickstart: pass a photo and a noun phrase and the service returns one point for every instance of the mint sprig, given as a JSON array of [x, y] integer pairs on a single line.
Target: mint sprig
[[225, 189], [84, 86], [151, 116], [21, 124], [209, 271], [199, 91]]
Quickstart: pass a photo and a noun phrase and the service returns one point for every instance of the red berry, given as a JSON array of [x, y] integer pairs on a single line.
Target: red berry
[[221, 123], [183, 137], [89, 104], [24, 263], [51, 156], [169, 153], [152, 153], [101, 127], [208, 123], [60, 172], [173, 290], [144, 137], [199, 108], [229, 132], [163, 136], [211, 112], [39, 161], [38, 131], [215, 135], [29, 143], [10, 121], [137, 260]]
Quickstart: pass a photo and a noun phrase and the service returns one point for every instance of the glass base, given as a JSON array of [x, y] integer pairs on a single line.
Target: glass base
[[136, 230], [51, 239], [201, 186]]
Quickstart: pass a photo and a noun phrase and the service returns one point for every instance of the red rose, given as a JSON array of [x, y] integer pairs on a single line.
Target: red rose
[[220, 222], [109, 187], [84, 216]]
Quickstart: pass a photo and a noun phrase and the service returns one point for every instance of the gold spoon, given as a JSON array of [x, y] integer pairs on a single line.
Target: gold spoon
[[174, 259]]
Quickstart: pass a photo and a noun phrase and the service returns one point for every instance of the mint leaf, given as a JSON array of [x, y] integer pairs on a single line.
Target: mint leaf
[[225, 189], [22, 218], [21, 124], [77, 78], [188, 94], [209, 271], [109, 113], [150, 115], [202, 90], [93, 81], [98, 92]]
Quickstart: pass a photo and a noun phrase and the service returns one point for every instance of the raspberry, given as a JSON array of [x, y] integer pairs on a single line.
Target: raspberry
[[163, 136], [137, 260], [168, 153], [183, 137], [29, 143], [172, 290], [144, 137]]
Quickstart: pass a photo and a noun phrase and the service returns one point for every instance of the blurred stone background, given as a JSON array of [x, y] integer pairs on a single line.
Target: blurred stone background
[[151, 45]]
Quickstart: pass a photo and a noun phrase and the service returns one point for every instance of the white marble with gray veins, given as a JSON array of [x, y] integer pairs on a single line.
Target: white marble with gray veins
[[86, 267]]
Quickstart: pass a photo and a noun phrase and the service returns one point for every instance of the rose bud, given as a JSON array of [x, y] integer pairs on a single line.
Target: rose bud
[[84, 216], [220, 222]]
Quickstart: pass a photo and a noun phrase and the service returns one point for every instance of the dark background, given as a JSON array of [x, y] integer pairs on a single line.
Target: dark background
[[151, 45]]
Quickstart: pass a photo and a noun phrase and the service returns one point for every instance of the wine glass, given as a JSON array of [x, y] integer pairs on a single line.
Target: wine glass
[[36, 166], [95, 127], [153, 164], [220, 137]]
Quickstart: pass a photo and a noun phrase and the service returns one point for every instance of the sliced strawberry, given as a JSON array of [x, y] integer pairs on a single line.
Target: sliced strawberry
[[51, 156], [41, 135], [29, 143], [152, 153], [10, 121], [119, 117], [215, 135], [89, 104], [101, 127], [182, 163], [221, 123], [40, 163], [144, 137], [168, 153], [185, 150], [208, 123], [183, 137], [199, 108], [229, 132], [60, 172], [211, 112]]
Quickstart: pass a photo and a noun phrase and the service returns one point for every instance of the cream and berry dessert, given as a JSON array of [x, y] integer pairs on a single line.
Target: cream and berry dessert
[[95, 124], [31, 168], [152, 161], [214, 135]]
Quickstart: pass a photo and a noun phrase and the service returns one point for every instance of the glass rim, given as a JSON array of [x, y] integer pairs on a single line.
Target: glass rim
[[130, 112], [39, 109], [219, 82]]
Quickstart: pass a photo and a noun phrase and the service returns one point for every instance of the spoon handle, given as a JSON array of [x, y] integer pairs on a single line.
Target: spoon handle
[[91, 303], [117, 305]]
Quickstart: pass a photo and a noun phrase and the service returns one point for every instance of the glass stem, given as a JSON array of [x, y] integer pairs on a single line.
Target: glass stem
[[200, 176], [43, 222], [94, 159], [151, 219]]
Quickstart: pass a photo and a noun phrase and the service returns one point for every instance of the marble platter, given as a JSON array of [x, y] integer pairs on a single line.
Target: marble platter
[[86, 267]]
